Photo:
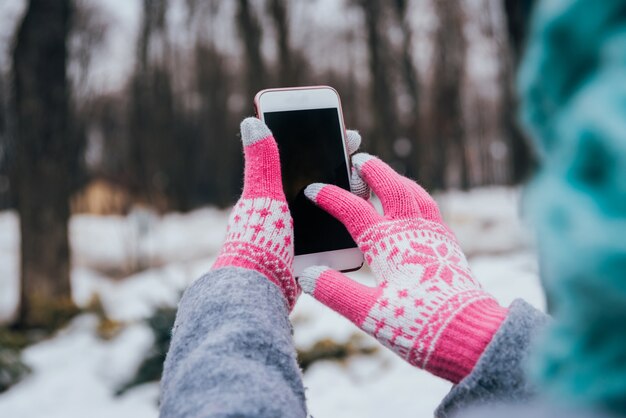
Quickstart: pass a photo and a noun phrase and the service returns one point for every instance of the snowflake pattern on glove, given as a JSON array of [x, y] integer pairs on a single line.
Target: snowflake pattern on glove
[[407, 314]]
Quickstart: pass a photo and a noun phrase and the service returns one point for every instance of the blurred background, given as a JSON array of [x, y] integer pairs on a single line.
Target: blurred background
[[119, 159]]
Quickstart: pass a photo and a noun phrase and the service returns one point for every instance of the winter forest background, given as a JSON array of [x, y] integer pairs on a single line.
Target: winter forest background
[[119, 158]]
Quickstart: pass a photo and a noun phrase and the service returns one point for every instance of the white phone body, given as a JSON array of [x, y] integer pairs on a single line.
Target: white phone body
[[307, 98]]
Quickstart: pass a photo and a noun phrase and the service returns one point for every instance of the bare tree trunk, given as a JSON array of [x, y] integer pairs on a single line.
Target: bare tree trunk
[[141, 113], [517, 15], [161, 148], [218, 149], [351, 95], [411, 81], [279, 13], [384, 129], [251, 33], [45, 150], [3, 123], [448, 133], [5, 185]]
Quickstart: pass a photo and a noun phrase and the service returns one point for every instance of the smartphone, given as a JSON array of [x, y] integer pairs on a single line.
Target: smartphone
[[308, 126]]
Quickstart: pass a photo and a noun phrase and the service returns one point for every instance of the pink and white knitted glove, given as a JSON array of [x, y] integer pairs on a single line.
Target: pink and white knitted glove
[[427, 307], [260, 229]]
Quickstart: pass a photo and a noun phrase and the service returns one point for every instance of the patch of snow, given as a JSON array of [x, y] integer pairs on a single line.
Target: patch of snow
[[486, 220], [372, 387], [510, 276], [145, 239], [76, 375], [137, 296]]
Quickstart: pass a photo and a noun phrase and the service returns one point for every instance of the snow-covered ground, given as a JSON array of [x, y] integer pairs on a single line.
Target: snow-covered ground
[[76, 373]]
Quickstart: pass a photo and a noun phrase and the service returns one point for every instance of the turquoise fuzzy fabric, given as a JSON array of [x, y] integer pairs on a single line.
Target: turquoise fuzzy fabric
[[572, 82]]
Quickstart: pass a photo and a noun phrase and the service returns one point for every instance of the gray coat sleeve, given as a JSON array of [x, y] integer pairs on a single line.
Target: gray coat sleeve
[[232, 353], [499, 375]]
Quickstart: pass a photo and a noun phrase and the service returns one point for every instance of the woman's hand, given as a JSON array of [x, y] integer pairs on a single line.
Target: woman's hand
[[260, 228], [427, 306]]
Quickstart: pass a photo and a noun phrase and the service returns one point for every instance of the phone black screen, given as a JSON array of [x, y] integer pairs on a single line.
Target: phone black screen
[[311, 151]]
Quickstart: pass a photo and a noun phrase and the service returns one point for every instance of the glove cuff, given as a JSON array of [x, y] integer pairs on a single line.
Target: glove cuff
[[463, 341]]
